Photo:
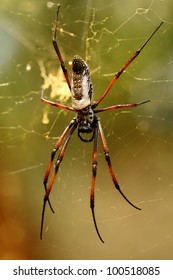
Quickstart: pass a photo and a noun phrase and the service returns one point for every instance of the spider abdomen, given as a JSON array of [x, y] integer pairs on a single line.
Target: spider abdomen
[[81, 85]]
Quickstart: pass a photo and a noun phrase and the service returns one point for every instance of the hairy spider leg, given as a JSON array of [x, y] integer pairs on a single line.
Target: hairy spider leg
[[94, 173], [55, 45], [118, 74], [70, 129], [120, 106], [108, 160]]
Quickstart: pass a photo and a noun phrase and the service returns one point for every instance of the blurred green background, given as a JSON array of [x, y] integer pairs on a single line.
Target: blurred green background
[[105, 34]]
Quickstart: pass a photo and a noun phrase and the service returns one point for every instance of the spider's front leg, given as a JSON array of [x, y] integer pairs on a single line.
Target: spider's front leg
[[119, 73], [56, 48]]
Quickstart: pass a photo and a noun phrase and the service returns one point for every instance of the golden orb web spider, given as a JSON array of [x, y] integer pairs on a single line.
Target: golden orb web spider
[[85, 121]]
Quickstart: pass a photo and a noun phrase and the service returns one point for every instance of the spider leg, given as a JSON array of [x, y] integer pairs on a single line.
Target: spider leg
[[69, 130], [61, 106], [115, 107], [54, 42], [94, 172], [118, 74], [57, 146], [108, 160]]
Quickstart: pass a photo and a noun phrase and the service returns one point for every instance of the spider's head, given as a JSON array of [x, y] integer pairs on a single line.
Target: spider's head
[[82, 90]]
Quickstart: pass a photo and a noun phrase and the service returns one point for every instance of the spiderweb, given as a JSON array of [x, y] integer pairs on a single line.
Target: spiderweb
[[105, 34]]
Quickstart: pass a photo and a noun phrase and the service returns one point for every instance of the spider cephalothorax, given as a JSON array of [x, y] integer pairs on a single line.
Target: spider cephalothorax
[[85, 121]]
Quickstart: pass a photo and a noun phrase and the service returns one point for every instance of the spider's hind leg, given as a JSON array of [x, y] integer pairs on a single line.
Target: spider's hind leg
[[94, 173], [66, 135], [108, 160], [48, 200]]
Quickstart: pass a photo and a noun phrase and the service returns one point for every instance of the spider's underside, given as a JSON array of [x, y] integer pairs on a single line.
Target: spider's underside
[[86, 122]]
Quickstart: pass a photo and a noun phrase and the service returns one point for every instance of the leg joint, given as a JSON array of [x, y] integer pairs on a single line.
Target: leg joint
[[92, 202], [57, 164], [94, 168], [53, 153], [107, 157]]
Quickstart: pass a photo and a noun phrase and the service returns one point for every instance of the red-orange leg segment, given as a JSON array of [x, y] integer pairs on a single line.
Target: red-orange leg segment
[[121, 106], [61, 106]]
